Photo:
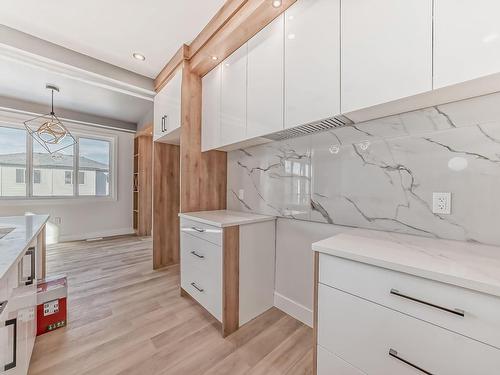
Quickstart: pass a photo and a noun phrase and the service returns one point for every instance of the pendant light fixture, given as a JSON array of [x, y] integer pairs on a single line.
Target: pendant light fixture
[[49, 131]]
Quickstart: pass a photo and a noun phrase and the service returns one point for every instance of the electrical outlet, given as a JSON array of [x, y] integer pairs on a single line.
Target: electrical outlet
[[241, 194], [57, 220], [441, 203]]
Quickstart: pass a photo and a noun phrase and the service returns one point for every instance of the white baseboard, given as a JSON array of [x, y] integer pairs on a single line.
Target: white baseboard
[[294, 309], [106, 233]]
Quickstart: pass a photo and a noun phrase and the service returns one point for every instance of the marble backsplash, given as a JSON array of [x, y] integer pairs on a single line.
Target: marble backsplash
[[381, 174]]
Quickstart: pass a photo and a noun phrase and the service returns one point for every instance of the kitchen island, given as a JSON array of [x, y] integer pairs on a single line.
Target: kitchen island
[[22, 263]]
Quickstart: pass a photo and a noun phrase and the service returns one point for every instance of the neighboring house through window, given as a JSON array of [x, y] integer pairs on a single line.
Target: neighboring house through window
[[20, 173], [37, 176], [68, 180]]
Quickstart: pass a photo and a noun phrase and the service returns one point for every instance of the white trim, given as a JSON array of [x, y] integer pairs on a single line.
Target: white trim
[[69, 71], [106, 233], [294, 309]]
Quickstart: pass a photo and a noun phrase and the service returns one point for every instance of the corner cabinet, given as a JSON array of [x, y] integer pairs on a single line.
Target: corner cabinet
[[167, 111], [466, 40], [386, 51], [312, 61]]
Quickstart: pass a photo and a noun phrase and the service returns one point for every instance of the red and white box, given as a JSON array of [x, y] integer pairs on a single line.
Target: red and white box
[[51, 300]]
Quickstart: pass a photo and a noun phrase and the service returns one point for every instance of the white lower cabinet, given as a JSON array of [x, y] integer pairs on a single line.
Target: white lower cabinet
[[229, 271], [376, 321]]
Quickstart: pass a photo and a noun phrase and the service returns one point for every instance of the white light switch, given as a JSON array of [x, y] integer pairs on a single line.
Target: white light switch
[[241, 194], [441, 203]]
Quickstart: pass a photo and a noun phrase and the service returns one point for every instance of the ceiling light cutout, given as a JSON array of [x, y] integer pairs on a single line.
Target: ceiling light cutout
[[49, 131], [139, 56], [276, 3]]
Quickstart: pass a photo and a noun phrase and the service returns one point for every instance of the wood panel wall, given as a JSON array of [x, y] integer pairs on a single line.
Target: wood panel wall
[[203, 174], [145, 191], [166, 182]]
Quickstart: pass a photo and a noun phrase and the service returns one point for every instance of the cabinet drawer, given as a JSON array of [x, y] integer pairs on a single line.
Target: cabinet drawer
[[329, 364], [204, 255], [378, 340], [201, 230], [203, 287], [432, 301]]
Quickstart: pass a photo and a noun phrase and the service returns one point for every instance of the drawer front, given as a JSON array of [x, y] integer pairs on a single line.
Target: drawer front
[[204, 255], [381, 341], [201, 230], [204, 288], [432, 301], [330, 364]]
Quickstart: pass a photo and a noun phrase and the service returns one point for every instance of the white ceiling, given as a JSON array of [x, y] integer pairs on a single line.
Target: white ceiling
[[27, 82], [111, 30]]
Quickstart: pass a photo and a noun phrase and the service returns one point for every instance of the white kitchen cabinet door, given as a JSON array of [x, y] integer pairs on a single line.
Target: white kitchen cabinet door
[[210, 116], [234, 97], [159, 111], [265, 80], [466, 40], [386, 51], [167, 107], [312, 61]]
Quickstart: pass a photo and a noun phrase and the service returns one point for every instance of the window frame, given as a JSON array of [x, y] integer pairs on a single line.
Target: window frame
[[112, 139]]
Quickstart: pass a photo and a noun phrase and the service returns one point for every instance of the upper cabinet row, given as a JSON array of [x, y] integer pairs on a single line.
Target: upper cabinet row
[[322, 58], [167, 111]]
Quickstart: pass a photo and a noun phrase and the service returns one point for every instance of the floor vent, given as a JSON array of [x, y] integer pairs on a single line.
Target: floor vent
[[314, 127]]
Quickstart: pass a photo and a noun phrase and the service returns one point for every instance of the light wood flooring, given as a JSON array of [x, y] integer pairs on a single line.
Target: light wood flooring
[[125, 318]]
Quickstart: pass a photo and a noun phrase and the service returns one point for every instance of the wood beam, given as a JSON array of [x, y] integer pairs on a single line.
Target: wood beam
[[250, 18], [168, 71]]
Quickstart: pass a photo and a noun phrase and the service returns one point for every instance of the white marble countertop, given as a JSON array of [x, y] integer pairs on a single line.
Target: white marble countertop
[[13, 245], [464, 264], [225, 218]]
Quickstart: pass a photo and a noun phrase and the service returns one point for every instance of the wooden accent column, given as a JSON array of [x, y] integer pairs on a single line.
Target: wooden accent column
[[231, 281], [143, 175], [165, 204], [203, 174]]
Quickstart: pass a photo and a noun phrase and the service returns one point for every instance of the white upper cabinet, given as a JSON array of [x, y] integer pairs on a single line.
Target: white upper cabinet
[[265, 80], [466, 40], [234, 97], [386, 50], [312, 61], [210, 116], [167, 110]]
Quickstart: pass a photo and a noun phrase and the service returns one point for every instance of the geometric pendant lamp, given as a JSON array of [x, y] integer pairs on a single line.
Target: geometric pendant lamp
[[49, 131]]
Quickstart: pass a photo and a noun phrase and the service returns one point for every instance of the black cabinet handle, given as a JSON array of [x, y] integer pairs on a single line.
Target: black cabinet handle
[[31, 253], [197, 287], [163, 124], [11, 365], [197, 255], [394, 354], [451, 311], [199, 230]]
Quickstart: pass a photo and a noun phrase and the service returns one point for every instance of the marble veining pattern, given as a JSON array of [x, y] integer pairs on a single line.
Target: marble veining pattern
[[381, 174]]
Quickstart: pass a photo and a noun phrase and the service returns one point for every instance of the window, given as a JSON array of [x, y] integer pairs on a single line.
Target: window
[[12, 162], [82, 170], [94, 167], [37, 176], [20, 173], [55, 169], [68, 177]]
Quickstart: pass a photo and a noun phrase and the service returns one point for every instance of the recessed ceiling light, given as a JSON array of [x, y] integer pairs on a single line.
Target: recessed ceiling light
[[276, 3], [139, 56], [214, 58]]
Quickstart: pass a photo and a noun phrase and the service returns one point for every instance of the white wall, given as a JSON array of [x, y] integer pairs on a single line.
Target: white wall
[[88, 217], [295, 266]]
